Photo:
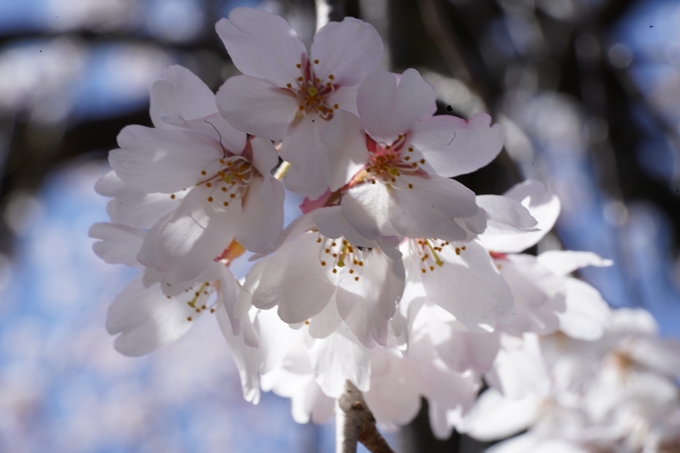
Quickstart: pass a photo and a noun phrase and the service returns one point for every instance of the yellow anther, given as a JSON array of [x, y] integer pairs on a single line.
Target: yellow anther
[[210, 199], [316, 61], [312, 91]]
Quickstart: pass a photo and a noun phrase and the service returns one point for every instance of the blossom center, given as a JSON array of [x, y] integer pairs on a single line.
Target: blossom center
[[198, 296], [340, 255], [428, 252], [312, 92], [387, 163], [230, 183]]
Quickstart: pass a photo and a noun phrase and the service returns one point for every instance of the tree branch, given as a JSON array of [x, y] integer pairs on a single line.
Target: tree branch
[[355, 423]]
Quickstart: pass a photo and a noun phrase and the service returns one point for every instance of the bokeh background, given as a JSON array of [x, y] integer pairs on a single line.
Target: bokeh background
[[588, 92]]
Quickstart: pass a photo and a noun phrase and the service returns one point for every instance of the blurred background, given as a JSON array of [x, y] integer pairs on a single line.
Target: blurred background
[[588, 92]]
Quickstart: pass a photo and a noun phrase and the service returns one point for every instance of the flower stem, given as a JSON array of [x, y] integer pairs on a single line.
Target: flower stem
[[355, 423]]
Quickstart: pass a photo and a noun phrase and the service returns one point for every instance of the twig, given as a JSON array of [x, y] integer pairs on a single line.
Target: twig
[[355, 423]]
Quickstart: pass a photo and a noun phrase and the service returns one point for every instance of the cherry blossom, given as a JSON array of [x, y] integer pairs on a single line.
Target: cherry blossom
[[219, 180], [325, 273], [287, 94], [395, 161]]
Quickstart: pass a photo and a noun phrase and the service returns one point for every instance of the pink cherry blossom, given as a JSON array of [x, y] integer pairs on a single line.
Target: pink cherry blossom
[[219, 180], [287, 94], [394, 161]]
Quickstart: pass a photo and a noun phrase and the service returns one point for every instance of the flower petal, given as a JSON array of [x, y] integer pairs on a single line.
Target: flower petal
[[247, 359], [389, 107], [302, 147], [292, 278], [366, 208], [265, 157], [262, 45], [368, 302], [428, 208], [453, 146], [152, 160], [119, 244], [587, 314], [181, 93], [261, 222], [257, 106], [349, 50], [505, 215], [345, 147], [564, 262], [337, 359], [542, 204], [469, 287], [146, 319]]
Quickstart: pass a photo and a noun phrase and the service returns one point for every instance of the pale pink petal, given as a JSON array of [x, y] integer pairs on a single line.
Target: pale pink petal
[[496, 417], [256, 106], [152, 160], [261, 223], [230, 296], [276, 338], [470, 350], [109, 185], [337, 359], [453, 146], [331, 223], [395, 397], [247, 359], [325, 323], [564, 262], [428, 208], [587, 314], [345, 147], [366, 208], [119, 244], [505, 215], [190, 239], [304, 150], [388, 107], [369, 302], [146, 319], [349, 50], [181, 93], [262, 45], [469, 287], [264, 157], [345, 97], [230, 138], [139, 209], [542, 204], [292, 278]]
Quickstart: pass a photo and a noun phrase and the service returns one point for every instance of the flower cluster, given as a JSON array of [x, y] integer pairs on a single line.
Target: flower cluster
[[396, 277]]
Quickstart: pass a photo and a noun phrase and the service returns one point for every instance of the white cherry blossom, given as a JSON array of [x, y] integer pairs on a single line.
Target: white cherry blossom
[[219, 180], [287, 94], [394, 161]]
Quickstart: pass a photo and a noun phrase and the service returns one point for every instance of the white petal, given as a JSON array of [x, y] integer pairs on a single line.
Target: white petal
[[109, 184], [292, 278], [247, 359], [330, 223], [367, 304], [587, 314], [337, 359], [261, 223], [139, 209], [564, 262], [276, 338], [505, 215], [119, 243], [181, 93], [235, 306], [542, 204], [189, 240], [256, 106], [346, 98], [469, 287], [389, 107], [366, 208], [325, 323], [470, 350], [453, 146], [262, 45], [349, 50], [427, 210], [303, 148], [152, 160], [345, 145], [146, 319], [265, 157], [496, 417]]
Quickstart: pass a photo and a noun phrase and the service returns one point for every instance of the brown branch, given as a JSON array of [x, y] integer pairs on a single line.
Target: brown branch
[[355, 423]]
